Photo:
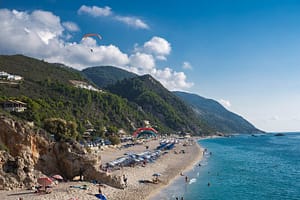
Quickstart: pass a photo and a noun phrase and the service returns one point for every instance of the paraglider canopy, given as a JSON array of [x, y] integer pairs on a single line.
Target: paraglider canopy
[[145, 132], [92, 35]]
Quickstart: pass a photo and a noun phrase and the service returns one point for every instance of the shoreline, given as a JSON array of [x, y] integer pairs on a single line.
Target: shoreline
[[188, 168], [169, 165]]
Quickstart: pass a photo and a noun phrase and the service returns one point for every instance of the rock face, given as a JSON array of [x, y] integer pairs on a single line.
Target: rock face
[[30, 153]]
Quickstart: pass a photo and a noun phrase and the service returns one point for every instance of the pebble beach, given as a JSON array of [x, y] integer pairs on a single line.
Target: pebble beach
[[139, 185]]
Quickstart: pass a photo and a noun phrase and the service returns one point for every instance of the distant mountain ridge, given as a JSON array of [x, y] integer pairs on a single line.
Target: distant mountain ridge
[[208, 111], [103, 76], [127, 102], [153, 98], [216, 116]]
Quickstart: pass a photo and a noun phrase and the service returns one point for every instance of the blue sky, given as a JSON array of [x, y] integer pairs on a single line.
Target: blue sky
[[244, 54]]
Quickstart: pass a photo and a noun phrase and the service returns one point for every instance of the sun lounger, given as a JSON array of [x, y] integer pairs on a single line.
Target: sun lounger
[[41, 189], [83, 187]]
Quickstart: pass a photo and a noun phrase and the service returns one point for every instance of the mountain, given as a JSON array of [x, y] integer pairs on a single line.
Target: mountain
[[106, 75], [153, 98], [56, 91], [216, 116]]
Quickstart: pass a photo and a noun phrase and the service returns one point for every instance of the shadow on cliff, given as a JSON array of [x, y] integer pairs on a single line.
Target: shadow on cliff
[[31, 153]]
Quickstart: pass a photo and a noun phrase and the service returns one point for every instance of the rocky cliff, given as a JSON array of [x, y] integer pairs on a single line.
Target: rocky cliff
[[29, 153]]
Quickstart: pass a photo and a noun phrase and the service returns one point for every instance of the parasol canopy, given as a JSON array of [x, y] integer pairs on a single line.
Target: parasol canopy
[[44, 181], [57, 177]]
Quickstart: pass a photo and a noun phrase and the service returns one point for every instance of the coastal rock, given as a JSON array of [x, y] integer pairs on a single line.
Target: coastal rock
[[28, 153], [73, 160]]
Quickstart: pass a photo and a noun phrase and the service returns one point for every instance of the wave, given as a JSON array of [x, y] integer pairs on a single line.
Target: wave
[[193, 180]]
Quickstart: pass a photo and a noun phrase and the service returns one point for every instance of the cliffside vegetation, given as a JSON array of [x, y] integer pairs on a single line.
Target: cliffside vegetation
[[125, 101], [48, 93]]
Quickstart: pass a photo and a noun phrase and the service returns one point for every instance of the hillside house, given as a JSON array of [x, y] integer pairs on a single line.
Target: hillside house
[[9, 77], [13, 105], [84, 85]]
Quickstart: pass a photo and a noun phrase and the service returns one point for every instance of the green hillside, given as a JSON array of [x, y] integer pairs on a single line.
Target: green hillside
[[51, 91], [48, 92], [153, 98], [216, 116], [106, 75]]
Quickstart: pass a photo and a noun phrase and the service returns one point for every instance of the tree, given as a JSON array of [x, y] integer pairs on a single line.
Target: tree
[[114, 139], [60, 128]]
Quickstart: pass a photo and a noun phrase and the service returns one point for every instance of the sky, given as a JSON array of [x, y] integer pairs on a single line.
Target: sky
[[244, 54]]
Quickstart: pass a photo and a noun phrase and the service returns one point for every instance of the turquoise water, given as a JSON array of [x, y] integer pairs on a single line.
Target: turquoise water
[[243, 167]]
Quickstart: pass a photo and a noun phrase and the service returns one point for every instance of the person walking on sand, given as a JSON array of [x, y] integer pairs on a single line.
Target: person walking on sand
[[100, 196], [125, 180], [99, 189]]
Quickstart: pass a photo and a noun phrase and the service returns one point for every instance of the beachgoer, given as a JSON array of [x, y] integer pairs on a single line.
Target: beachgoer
[[186, 179], [125, 180], [81, 174], [208, 184], [99, 190]]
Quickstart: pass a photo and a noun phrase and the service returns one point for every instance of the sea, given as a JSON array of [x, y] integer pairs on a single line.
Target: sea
[[256, 167]]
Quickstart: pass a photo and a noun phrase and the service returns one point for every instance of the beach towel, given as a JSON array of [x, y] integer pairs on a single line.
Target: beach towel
[[84, 187], [101, 196]]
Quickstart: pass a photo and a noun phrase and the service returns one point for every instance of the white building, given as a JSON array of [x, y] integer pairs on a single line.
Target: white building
[[10, 77]]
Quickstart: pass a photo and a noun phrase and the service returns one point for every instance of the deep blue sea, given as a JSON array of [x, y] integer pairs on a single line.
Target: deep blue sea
[[264, 167]]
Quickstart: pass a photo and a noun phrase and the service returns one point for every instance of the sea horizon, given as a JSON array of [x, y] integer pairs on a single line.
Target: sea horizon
[[245, 166]]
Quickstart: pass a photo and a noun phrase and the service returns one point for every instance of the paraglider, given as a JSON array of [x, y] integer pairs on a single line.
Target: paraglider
[[92, 35], [146, 131]]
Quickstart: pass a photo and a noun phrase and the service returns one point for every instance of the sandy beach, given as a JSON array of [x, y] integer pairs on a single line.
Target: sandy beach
[[169, 165]]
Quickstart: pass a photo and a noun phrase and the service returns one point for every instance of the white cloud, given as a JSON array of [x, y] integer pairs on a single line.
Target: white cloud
[[225, 103], [171, 79], [143, 63], [80, 56], [186, 65], [95, 11], [28, 33], [42, 35], [71, 26], [132, 21], [158, 46], [274, 118]]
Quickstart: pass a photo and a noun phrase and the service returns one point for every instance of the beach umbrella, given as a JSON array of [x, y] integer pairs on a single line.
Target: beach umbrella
[[57, 177], [44, 181]]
